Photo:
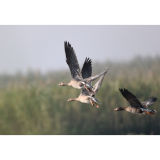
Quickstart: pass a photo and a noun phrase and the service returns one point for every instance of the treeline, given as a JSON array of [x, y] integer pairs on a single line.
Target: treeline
[[34, 103]]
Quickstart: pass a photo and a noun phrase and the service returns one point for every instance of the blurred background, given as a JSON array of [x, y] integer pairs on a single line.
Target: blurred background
[[32, 64]]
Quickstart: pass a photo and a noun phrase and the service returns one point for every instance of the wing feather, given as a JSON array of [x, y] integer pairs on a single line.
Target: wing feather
[[132, 99], [87, 68], [150, 101], [97, 86], [72, 61], [97, 76]]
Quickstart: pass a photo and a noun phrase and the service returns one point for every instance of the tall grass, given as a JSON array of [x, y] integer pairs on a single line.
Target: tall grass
[[35, 104]]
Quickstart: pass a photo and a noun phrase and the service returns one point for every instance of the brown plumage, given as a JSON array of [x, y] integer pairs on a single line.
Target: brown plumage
[[80, 79], [136, 107], [87, 97]]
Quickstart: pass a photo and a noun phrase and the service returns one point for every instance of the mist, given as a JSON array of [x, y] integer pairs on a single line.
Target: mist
[[41, 47]]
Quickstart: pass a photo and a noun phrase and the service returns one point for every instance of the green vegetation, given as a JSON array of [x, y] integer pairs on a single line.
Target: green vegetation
[[35, 104]]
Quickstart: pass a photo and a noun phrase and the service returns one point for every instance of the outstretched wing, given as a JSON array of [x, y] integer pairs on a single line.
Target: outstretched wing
[[150, 101], [97, 76], [97, 86], [132, 99], [72, 61], [87, 68]]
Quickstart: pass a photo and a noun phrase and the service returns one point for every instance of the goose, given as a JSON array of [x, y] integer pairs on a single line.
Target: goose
[[136, 107], [79, 79], [88, 97]]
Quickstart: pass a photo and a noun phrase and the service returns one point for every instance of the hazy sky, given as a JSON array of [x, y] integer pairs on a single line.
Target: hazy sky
[[42, 47]]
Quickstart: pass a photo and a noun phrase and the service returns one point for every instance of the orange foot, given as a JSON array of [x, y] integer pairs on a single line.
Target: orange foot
[[151, 113], [88, 89], [91, 102], [96, 105]]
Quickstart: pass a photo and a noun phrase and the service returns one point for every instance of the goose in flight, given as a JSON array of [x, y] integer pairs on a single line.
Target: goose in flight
[[136, 106], [80, 79], [88, 97]]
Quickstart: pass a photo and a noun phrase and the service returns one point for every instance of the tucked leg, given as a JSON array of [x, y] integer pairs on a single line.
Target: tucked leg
[[151, 113], [91, 102], [88, 89], [96, 105]]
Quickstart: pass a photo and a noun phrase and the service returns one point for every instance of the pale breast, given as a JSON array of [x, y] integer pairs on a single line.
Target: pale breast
[[84, 99], [76, 84]]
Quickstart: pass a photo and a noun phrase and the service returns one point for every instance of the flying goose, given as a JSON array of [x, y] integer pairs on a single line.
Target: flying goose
[[137, 107], [79, 78], [88, 97]]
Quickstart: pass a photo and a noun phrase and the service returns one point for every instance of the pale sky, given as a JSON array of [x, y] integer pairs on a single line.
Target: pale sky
[[42, 47]]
